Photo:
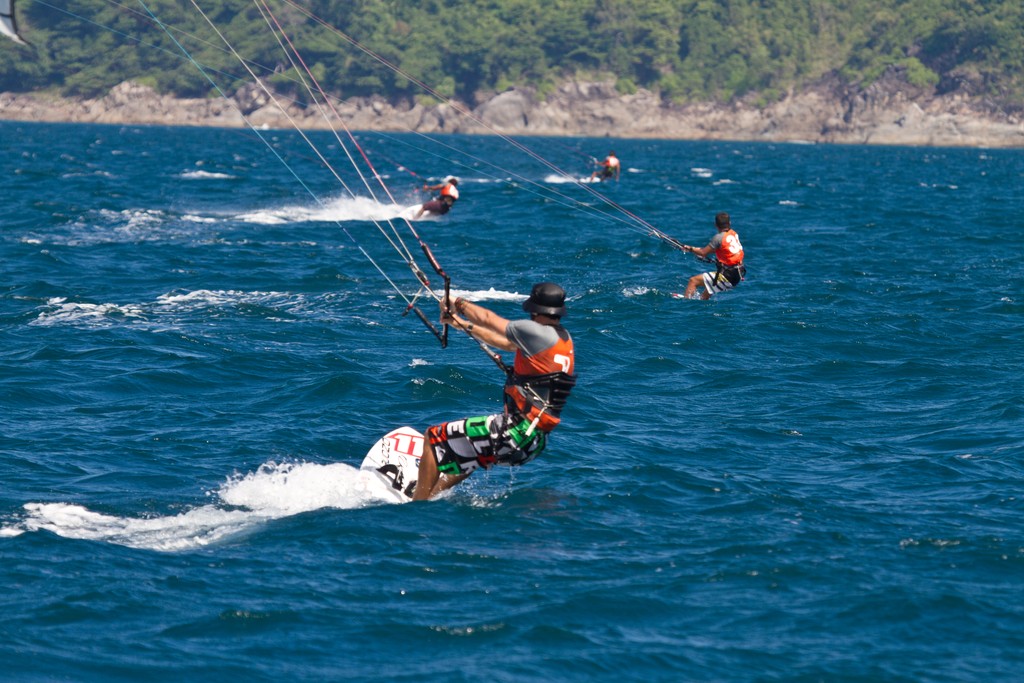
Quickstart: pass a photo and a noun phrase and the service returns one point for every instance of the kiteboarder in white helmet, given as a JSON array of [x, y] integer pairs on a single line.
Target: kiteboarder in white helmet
[[442, 204]]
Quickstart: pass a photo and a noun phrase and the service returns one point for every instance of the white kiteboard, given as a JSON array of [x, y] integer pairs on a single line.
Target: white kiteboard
[[395, 462]]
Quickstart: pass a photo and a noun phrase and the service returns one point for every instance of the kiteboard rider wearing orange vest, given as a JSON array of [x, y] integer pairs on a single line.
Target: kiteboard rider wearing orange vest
[[729, 253], [442, 204], [536, 390], [609, 167]]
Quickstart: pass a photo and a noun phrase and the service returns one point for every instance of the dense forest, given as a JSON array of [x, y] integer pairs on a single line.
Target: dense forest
[[688, 50]]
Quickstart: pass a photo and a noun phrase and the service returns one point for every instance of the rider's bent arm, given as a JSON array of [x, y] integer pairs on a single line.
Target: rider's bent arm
[[703, 251], [487, 326]]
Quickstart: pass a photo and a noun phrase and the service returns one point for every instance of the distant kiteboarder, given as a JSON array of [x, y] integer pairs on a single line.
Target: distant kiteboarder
[[442, 204], [609, 168], [729, 254]]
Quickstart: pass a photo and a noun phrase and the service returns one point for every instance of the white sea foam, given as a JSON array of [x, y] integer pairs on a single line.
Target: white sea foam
[[71, 313], [340, 210], [486, 295], [133, 218], [280, 490], [274, 491], [206, 298], [190, 218], [478, 295], [558, 179], [133, 225], [203, 175], [100, 174], [62, 312]]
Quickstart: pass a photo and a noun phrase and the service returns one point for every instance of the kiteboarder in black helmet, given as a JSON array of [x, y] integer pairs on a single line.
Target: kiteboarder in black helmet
[[538, 384]]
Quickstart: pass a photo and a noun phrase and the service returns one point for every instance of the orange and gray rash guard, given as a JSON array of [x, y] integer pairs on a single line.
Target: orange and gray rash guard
[[542, 374], [728, 249]]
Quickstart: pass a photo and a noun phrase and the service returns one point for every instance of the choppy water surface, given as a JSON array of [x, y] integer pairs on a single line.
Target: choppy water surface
[[817, 476]]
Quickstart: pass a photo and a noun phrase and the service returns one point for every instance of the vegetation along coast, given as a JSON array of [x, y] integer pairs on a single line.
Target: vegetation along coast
[[921, 72]]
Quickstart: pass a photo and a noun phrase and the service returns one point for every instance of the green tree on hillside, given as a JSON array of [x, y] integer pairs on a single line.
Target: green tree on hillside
[[687, 49]]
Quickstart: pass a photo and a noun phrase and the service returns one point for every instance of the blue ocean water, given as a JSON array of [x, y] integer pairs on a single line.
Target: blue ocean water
[[817, 476]]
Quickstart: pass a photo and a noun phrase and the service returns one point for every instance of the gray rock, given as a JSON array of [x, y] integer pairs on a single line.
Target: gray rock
[[889, 111]]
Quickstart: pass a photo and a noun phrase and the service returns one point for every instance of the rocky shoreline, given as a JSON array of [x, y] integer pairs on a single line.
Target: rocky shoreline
[[889, 112]]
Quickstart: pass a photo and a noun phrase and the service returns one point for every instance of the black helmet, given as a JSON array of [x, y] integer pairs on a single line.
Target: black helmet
[[547, 298]]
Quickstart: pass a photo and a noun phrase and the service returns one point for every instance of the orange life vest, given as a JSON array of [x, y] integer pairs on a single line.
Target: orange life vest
[[540, 384], [450, 190], [731, 251]]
